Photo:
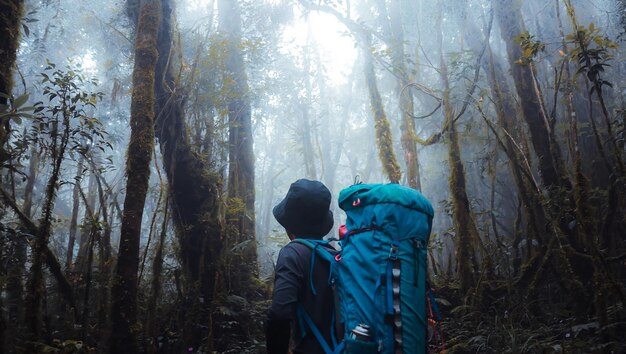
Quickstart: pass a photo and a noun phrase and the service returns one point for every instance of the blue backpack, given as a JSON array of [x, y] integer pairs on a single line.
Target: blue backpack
[[379, 275]]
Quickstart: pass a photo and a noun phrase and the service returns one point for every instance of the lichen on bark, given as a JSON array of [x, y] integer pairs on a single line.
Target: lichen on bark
[[124, 291]]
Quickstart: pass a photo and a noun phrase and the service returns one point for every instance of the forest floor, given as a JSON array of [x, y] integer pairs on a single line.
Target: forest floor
[[526, 327], [494, 328]]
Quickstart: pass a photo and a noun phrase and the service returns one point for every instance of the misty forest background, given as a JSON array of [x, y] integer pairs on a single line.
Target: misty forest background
[[143, 144]]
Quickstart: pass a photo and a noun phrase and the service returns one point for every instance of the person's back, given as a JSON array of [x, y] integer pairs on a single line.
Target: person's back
[[293, 288], [305, 213]]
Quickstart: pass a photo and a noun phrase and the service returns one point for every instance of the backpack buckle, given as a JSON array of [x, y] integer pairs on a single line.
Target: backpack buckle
[[393, 252]]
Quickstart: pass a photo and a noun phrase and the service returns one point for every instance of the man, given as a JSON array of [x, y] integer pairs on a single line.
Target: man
[[304, 213]]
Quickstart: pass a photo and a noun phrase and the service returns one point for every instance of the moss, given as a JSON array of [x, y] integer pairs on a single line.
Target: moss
[[464, 223], [382, 127], [140, 148], [10, 15]]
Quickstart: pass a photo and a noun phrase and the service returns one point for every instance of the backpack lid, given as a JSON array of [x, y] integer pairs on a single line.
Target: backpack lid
[[360, 195]]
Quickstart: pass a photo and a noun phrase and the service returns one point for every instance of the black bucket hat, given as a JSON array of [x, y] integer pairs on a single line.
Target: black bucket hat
[[305, 209]]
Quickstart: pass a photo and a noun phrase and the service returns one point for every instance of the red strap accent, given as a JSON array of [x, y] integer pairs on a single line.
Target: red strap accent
[[363, 230]]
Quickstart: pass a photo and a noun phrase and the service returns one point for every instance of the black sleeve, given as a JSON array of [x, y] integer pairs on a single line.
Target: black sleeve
[[288, 282], [289, 277]]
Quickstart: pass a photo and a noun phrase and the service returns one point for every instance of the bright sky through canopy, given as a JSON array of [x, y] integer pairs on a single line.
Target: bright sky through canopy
[[336, 47]]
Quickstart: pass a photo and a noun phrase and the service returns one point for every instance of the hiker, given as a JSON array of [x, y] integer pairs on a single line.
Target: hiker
[[304, 213]]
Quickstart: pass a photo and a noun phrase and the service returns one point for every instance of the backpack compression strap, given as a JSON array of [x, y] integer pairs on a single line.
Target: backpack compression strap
[[302, 314], [317, 247], [304, 318]]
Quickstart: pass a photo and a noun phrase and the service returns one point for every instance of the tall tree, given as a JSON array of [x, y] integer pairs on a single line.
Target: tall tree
[[464, 222], [124, 292], [541, 127], [405, 95], [10, 17], [382, 127], [505, 113], [74, 218], [384, 140], [240, 152], [305, 129], [195, 193]]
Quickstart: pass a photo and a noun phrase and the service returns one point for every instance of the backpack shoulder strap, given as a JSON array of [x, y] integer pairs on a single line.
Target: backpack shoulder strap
[[319, 247]]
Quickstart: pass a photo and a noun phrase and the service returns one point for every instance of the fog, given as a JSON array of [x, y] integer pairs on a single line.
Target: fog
[[488, 128]]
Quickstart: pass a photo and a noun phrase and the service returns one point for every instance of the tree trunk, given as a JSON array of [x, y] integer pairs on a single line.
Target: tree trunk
[[505, 114], [10, 16], [155, 285], [16, 265], [36, 286], [80, 264], [194, 195], [304, 105], [405, 97], [33, 166], [15, 248], [74, 218], [384, 141], [51, 261], [382, 127], [240, 154], [464, 223], [550, 165], [104, 254], [124, 292]]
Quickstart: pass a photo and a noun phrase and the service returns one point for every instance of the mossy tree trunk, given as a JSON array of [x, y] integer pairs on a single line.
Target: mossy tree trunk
[[551, 167], [384, 140], [10, 16], [405, 96], [104, 264], [124, 323], [305, 118], [463, 220], [464, 224], [560, 206], [194, 195], [506, 120], [74, 218], [80, 263], [36, 284], [16, 265], [382, 128], [240, 213], [155, 285]]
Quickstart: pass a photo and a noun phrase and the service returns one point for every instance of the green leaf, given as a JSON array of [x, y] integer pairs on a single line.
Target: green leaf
[[20, 101], [26, 30], [26, 109]]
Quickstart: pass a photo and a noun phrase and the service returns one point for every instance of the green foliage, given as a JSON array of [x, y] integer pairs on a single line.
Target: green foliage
[[530, 48], [28, 19], [461, 65], [16, 110], [66, 102], [592, 51]]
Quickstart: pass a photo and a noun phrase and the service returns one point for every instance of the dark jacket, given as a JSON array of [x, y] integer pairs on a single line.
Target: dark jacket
[[292, 286]]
